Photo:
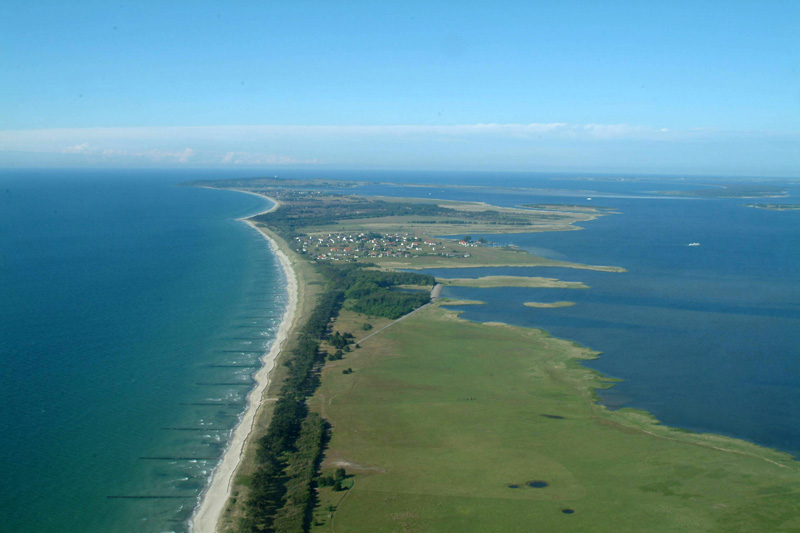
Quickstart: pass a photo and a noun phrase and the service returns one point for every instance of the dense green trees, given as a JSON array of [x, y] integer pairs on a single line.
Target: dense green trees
[[301, 469], [390, 304], [371, 291], [280, 497]]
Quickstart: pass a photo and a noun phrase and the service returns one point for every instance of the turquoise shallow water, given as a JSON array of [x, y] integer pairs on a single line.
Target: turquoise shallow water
[[132, 314]]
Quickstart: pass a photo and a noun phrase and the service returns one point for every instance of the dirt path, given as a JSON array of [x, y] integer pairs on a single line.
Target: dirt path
[[436, 293]]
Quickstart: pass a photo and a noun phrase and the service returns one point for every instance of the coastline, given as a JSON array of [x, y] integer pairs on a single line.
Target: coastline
[[214, 498], [630, 421]]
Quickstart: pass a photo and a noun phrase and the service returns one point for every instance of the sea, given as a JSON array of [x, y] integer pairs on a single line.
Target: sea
[[133, 312]]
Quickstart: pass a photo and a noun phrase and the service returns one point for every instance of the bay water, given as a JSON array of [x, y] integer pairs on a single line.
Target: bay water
[[707, 338]]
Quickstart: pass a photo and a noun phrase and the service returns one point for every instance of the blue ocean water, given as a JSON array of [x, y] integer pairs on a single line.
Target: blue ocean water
[[132, 314]]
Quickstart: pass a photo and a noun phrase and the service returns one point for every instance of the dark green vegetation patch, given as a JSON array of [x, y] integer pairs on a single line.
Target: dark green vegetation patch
[[370, 291]]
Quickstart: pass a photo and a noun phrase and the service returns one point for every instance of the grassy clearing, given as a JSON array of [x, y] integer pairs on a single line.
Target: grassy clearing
[[484, 257], [484, 218], [439, 416], [487, 282]]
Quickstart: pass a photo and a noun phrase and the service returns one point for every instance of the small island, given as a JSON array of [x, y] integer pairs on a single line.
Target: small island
[[776, 207], [549, 305], [732, 190]]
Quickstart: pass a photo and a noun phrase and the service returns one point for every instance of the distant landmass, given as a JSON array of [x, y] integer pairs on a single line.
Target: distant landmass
[[732, 190], [776, 207]]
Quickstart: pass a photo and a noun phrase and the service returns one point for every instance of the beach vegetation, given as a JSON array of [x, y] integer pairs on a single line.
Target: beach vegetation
[[301, 469], [277, 500]]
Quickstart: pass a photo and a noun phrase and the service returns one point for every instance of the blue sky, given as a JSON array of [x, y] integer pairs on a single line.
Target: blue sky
[[641, 87]]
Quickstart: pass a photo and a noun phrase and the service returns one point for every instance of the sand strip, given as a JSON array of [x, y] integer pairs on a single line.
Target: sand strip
[[215, 496]]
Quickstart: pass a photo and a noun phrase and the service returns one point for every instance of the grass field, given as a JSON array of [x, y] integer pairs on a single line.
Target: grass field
[[485, 257], [440, 415]]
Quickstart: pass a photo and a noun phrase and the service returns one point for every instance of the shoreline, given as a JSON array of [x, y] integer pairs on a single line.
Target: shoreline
[[633, 420], [215, 495]]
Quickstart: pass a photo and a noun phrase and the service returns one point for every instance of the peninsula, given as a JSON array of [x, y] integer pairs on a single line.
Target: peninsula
[[386, 411]]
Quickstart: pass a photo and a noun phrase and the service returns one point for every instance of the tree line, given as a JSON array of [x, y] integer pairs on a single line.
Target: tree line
[[281, 492], [372, 292]]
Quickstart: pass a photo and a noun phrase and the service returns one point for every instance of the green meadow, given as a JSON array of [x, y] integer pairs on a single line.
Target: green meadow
[[440, 418]]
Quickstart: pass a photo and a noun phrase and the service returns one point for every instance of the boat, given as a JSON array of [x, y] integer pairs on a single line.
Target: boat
[[693, 244]]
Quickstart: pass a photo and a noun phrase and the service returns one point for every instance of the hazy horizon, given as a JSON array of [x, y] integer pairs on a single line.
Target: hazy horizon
[[688, 88]]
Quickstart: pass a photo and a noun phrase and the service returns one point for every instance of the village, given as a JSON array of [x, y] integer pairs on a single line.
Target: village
[[355, 246]]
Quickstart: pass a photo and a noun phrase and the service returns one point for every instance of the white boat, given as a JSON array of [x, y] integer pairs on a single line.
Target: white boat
[[693, 244]]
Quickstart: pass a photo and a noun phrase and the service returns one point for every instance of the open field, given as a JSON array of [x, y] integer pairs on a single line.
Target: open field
[[487, 282], [485, 257], [440, 416]]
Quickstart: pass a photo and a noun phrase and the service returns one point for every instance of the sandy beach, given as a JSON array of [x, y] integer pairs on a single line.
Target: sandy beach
[[215, 496]]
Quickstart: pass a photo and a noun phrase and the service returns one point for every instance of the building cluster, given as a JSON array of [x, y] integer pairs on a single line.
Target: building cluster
[[352, 246]]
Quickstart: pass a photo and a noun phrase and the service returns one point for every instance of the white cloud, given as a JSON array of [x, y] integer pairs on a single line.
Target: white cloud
[[484, 145], [85, 140], [254, 159], [111, 154], [77, 149]]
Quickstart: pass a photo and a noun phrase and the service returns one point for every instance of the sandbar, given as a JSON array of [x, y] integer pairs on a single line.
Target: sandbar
[[545, 305]]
